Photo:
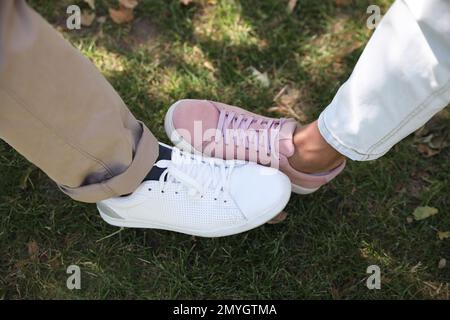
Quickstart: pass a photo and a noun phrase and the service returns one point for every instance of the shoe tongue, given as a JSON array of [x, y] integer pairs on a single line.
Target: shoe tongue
[[165, 153], [286, 138]]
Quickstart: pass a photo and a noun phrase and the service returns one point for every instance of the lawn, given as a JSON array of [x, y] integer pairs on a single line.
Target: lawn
[[211, 49]]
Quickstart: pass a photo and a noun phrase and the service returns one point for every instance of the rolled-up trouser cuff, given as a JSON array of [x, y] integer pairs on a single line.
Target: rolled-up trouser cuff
[[145, 156], [339, 145], [401, 79]]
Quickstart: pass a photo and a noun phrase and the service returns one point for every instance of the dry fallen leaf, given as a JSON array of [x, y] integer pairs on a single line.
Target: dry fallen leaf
[[261, 77], [426, 151], [290, 97], [91, 3], [421, 132], [279, 218], [186, 2], [291, 5], [438, 142], [87, 17], [442, 263], [129, 4], [431, 139], [288, 103], [442, 235], [208, 65], [122, 15], [33, 249], [421, 213]]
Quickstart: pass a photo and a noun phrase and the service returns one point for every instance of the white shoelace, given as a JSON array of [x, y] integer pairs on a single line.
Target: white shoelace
[[196, 173]]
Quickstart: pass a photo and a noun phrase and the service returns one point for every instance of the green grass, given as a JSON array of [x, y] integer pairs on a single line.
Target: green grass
[[321, 250]]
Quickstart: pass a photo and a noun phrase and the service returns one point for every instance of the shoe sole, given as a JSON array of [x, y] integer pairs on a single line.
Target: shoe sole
[[182, 144], [228, 231]]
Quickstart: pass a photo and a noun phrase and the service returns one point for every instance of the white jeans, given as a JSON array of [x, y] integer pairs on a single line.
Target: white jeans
[[400, 81]]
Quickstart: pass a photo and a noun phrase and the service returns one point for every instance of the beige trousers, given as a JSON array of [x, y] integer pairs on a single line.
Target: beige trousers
[[60, 113]]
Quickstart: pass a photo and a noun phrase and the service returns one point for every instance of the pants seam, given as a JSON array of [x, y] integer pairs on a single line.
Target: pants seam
[[414, 112], [338, 144], [109, 190]]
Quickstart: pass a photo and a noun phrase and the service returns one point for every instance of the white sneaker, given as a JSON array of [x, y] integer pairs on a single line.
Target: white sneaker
[[202, 196]]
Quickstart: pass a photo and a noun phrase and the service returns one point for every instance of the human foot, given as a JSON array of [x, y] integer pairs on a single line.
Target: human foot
[[312, 153], [229, 132]]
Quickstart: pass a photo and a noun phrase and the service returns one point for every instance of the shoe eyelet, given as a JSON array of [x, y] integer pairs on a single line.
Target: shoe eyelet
[[176, 192], [215, 199], [149, 189], [162, 191]]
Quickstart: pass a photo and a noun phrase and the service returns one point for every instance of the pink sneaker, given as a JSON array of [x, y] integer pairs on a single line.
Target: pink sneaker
[[228, 132]]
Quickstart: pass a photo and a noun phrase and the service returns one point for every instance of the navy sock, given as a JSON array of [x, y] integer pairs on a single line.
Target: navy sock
[[154, 174], [164, 154]]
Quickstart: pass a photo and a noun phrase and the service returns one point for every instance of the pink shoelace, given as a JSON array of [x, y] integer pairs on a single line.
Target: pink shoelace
[[236, 127]]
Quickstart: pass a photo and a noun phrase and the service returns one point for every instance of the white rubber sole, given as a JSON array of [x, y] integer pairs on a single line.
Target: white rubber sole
[[301, 190], [182, 144], [268, 215]]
